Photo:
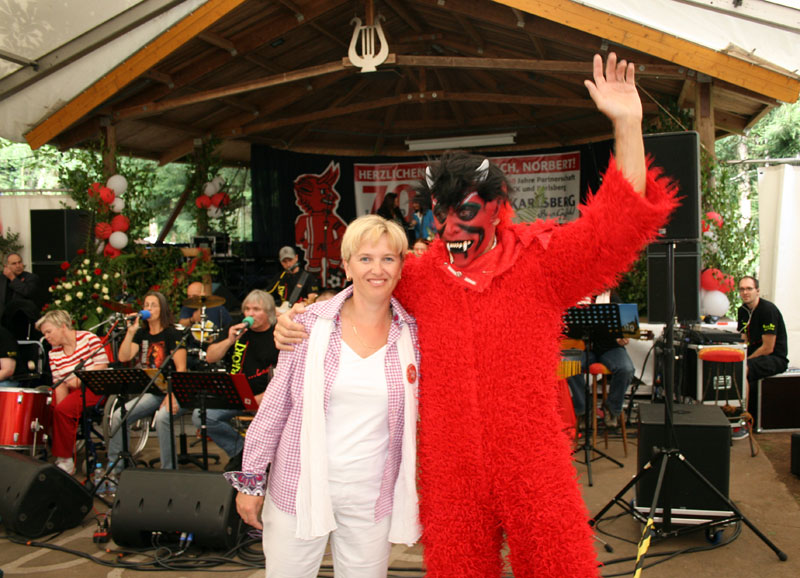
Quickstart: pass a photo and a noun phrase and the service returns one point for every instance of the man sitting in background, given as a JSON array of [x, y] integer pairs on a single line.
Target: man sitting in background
[[20, 296]]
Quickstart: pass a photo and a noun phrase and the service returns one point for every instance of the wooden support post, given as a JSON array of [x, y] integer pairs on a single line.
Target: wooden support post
[[198, 144], [109, 148]]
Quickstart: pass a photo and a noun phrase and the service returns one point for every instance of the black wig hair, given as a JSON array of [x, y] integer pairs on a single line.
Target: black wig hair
[[455, 173]]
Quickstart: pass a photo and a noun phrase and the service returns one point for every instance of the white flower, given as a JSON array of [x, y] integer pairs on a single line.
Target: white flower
[[67, 297], [96, 285], [88, 279], [86, 261], [79, 294], [105, 276], [99, 309], [57, 302], [50, 289], [105, 290], [67, 286], [116, 275]]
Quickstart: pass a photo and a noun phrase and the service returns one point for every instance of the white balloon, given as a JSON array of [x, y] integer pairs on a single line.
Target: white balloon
[[715, 303], [220, 182], [118, 184], [118, 240], [118, 204], [210, 189], [214, 212]]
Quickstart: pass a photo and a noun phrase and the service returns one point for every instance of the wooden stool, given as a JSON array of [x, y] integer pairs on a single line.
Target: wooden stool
[[598, 369], [722, 362]]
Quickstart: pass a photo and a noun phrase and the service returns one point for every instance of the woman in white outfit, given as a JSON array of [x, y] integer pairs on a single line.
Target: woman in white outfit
[[337, 425]]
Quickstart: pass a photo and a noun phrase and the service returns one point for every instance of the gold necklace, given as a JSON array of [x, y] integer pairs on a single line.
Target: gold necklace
[[361, 341]]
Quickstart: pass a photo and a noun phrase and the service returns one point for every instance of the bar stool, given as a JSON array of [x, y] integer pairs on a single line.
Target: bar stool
[[722, 362], [599, 370]]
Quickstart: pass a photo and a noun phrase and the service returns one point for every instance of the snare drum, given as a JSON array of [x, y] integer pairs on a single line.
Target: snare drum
[[25, 417]]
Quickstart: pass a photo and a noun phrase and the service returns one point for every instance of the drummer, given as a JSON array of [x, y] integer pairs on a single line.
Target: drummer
[[69, 348], [8, 358], [192, 315]]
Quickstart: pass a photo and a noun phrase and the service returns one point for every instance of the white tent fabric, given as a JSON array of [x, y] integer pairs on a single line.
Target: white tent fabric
[[20, 112], [718, 31], [779, 235]]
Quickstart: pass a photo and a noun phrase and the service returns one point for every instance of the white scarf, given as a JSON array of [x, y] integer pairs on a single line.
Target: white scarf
[[313, 502]]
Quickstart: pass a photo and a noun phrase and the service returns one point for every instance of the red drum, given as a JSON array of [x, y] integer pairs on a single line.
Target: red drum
[[25, 417]]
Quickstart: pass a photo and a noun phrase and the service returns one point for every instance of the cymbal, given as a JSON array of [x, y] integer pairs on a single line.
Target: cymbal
[[118, 307], [204, 301]]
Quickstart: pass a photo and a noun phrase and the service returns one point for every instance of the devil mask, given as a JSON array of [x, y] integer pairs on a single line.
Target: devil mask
[[467, 194]]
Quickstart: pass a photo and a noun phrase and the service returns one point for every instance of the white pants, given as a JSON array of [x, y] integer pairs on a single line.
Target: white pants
[[359, 545]]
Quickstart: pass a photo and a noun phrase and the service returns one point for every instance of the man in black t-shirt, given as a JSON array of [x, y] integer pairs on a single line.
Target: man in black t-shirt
[[282, 286], [250, 351], [761, 324], [8, 358]]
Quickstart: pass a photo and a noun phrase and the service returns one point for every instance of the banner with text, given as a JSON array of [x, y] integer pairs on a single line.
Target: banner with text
[[546, 186]]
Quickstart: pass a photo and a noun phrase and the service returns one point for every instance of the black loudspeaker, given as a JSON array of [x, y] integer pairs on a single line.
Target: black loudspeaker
[[56, 236], [37, 498], [703, 436], [172, 502], [795, 463], [678, 154], [686, 277]]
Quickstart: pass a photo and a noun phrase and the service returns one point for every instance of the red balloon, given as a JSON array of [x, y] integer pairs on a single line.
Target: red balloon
[[111, 252], [120, 223], [103, 231], [217, 199], [716, 280], [203, 202], [107, 195], [94, 189]]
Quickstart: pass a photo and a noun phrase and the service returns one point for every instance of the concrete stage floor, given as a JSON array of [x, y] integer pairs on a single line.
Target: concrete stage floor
[[769, 498]]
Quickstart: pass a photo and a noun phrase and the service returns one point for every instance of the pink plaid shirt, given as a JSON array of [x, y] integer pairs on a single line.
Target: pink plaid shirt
[[274, 436]]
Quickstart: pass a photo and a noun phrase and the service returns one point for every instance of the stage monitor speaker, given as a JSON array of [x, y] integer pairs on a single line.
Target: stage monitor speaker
[[703, 436], [173, 502], [687, 282], [678, 154], [37, 498]]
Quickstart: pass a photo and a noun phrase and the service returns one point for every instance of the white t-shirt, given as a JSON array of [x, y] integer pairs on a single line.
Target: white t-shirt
[[357, 423]]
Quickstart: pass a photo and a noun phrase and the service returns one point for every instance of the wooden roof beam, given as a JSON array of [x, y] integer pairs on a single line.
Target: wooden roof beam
[[388, 119], [164, 79], [152, 108], [406, 14], [455, 107], [219, 42], [665, 46], [133, 67], [471, 31], [537, 44], [296, 10]]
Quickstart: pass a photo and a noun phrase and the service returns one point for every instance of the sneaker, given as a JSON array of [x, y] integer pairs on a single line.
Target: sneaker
[[739, 433], [611, 420], [66, 464]]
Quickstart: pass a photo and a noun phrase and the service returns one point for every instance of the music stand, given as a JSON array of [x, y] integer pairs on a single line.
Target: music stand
[[587, 322], [215, 390], [120, 382]]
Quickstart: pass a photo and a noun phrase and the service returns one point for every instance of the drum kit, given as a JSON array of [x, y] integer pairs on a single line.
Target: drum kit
[[203, 332]]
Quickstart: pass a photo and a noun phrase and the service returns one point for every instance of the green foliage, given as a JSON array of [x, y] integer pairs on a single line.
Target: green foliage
[[82, 168], [9, 243]]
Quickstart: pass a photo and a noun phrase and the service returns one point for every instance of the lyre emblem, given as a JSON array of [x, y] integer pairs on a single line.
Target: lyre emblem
[[367, 60]]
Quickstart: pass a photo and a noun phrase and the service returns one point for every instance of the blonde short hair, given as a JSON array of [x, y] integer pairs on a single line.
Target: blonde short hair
[[56, 317], [370, 228], [265, 300]]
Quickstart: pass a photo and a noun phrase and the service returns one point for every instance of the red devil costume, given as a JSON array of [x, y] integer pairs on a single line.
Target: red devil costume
[[492, 458]]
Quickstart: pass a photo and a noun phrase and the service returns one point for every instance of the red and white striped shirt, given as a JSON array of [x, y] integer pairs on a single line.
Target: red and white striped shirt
[[61, 364]]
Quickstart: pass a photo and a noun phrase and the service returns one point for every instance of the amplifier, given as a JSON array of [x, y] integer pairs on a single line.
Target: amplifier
[[703, 435], [778, 398]]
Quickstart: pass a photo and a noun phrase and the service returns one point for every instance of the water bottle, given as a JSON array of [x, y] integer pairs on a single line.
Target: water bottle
[[97, 479]]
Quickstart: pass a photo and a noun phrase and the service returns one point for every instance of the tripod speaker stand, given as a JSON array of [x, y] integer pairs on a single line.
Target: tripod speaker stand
[[664, 459]]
